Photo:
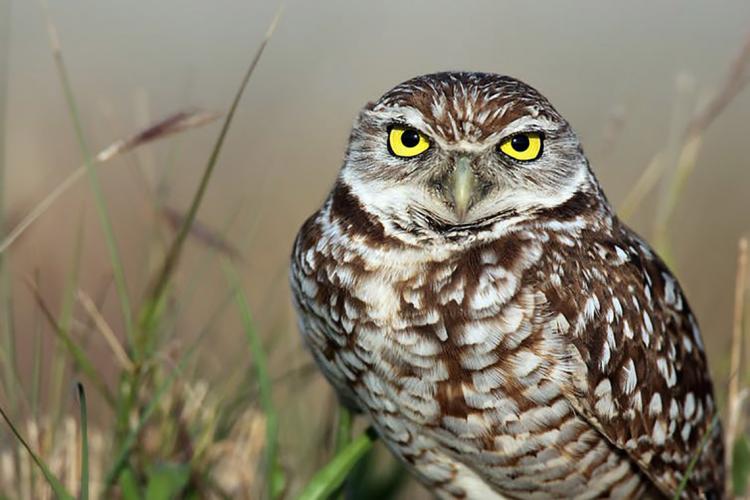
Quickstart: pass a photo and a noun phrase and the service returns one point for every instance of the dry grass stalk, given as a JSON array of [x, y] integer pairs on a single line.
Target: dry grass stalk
[[175, 250], [737, 79], [664, 160], [185, 431], [81, 360], [103, 327], [734, 401], [173, 124], [233, 457], [63, 456], [685, 164], [647, 180]]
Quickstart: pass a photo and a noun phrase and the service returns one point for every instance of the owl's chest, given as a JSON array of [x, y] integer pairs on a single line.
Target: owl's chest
[[448, 353], [437, 341], [459, 356]]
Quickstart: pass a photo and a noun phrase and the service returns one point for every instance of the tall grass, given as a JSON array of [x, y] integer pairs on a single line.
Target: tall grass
[[167, 433], [149, 396], [88, 160], [7, 347]]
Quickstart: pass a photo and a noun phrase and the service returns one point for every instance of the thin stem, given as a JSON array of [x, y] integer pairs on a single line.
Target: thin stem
[[7, 347], [328, 479], [264, 379], [84, 493], [733, 403], [101, 206], [53, 481], [175, 250], [694, 460]]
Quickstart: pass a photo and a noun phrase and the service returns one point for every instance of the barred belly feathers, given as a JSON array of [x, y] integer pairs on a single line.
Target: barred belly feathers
[[467, 287]]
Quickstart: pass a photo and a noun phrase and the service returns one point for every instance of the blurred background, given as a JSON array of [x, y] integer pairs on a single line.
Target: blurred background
[[627, 76]]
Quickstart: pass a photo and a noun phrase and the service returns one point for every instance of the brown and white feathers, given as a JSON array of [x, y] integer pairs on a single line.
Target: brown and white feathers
[[470, 290]]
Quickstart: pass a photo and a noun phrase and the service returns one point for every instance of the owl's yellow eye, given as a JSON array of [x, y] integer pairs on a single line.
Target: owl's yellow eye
[[523, 147], [406, 142]]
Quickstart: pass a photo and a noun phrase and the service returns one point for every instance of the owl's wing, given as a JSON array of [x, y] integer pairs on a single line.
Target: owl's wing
[[320, 309], [639, 368]]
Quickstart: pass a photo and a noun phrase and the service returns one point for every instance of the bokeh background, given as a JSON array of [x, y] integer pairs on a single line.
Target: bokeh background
[[626, 75]]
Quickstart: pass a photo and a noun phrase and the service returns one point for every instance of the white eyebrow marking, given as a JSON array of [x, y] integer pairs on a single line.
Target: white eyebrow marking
[[526, 123]]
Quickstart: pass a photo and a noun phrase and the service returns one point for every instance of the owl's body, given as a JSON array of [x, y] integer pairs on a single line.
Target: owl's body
[[516, 341]]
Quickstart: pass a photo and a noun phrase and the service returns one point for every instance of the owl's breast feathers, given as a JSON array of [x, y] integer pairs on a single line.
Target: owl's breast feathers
[[566, 317]]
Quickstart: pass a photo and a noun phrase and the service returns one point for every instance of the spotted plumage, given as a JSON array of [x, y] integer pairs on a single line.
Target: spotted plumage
[[484, 307]]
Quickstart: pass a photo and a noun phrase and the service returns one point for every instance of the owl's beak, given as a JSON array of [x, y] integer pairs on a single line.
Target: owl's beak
[[463, 181]]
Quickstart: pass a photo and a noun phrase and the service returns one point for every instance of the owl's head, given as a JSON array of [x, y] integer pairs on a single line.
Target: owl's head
[[457, 153]]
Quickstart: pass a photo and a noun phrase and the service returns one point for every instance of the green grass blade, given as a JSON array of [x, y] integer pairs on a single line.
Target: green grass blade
[[344, 429], [166, 481], [129, 486], [54, 483], [7, 358], [122, 456], [343, 433], [197, 278], [256, 346], [101, 206], [59, 360], [8, 351], [36, 370], [170, 261], [80, 359], [694, 460], [155, 302], [128, 443], [740, 466], [84, 492], [273, 472], [365, 483], [328, 479], [5, 12]]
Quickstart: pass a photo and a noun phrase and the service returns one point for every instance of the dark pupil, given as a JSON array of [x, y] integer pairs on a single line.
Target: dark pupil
[[520, 142], [410, 138]]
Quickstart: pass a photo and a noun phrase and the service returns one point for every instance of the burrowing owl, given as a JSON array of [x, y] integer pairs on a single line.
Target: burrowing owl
[[467, 286]]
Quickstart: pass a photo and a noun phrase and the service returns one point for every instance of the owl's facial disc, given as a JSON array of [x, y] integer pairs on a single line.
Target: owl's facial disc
[[454, 152]]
